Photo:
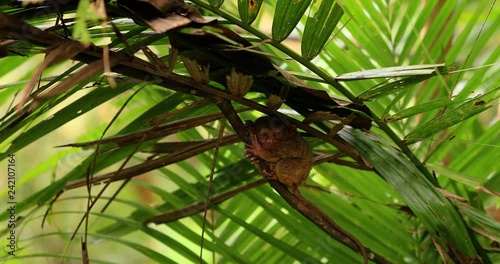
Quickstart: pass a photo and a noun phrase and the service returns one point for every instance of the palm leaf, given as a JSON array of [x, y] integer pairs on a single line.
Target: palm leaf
[[381, 52]]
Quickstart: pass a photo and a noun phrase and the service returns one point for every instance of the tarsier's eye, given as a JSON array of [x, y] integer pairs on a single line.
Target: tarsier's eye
[[183, 11], [276, 125], [263, 135]]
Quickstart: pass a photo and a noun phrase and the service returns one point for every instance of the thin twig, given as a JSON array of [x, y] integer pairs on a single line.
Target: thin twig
[[198, 207], [149, 165], [210, 181]]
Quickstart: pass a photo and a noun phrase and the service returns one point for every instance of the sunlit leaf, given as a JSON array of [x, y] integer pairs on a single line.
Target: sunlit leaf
[[286, 17], [421, 108], [486, 222], [454, 116], [436, 212], [454, 175], [84, 13], [392, 87], [70, 112], [390, 72], [216, 3], [319, 28], [249, 9]]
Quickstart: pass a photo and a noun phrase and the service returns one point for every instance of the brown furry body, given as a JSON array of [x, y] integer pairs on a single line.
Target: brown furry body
[[280, 145]]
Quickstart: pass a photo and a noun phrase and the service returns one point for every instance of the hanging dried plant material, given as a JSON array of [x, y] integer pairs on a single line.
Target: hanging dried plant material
[[320, 116], [161, 16], [238, 84], [274, 102], [158, 65], [198, 72], [58, 55]]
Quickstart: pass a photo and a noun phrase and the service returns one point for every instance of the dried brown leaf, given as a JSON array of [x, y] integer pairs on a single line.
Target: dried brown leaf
[[55, 56]]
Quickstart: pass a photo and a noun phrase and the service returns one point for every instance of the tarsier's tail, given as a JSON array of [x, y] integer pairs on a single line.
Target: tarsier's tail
[[332, 223]]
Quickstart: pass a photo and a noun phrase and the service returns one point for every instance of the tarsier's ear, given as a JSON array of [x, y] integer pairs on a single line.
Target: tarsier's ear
[[292, 128]]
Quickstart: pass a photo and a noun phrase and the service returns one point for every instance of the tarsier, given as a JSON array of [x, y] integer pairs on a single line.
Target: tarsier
[[283, 148], [289, 158]]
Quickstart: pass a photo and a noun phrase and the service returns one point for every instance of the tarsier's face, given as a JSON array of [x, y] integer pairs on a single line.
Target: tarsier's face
[[273, 131], [268, 137]]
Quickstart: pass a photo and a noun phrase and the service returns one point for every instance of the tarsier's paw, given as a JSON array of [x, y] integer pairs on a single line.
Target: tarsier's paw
[[256, 146], [250, 153], [252, 150]]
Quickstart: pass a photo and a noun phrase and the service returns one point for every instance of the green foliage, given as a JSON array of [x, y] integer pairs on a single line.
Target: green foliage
[[435, 211], [248, 10], [429, 74], [319, 28], [286, 17]]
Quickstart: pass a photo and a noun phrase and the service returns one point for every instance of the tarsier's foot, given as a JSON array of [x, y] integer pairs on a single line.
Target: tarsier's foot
[[295, 191], [269, 175], [254, 159]]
